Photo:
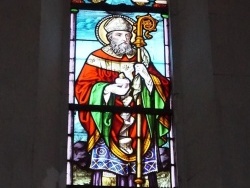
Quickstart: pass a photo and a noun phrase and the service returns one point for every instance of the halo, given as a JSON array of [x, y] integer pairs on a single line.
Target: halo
[[101, 32]]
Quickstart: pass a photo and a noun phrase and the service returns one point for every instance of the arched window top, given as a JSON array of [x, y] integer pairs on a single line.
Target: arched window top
[[140, 3]]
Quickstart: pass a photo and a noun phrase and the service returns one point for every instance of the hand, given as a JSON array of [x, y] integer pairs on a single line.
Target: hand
[[120, 87], [142, 71]]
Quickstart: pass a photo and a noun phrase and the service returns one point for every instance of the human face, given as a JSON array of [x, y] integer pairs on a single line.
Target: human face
[[120, 37]]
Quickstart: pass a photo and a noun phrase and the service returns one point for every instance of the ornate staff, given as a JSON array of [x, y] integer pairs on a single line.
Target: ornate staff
[[147, 23]]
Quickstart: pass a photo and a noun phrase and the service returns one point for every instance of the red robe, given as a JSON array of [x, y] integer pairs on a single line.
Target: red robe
[[88, 77]]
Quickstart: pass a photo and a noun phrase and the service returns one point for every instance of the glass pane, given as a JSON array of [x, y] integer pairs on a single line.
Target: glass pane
[[152, 3], [69, 171], [128, 81]]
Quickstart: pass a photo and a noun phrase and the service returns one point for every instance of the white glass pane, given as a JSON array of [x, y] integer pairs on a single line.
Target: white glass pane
[[167, 70], [72, 49], [69, 178], [167, 61], [172, 152], [166, 32], [71, 88], [69, 155], [173, 180], [72, 26], [71, 65], [71, 93], [70, 122]]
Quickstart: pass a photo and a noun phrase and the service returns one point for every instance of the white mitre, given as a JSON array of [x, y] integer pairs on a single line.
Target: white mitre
[[118, 24]]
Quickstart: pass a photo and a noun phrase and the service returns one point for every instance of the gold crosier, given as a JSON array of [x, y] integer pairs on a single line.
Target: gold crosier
[[148, 24]]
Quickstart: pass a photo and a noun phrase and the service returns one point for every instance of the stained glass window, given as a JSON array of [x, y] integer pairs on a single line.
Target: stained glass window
[[119, 120]]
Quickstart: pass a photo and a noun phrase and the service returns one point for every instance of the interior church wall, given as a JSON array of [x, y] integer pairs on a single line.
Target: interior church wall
[[211, 61], [211, 92], [34, 56], [195, 120], [230, 38]]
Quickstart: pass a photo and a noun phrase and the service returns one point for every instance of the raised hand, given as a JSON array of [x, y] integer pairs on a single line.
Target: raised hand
[[143, 72]]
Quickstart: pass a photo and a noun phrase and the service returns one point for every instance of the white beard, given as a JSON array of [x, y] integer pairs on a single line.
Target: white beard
[[121, 49]]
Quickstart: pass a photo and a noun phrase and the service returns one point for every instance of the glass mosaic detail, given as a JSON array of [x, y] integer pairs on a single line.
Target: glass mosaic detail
[[120, 100], [150, 3]]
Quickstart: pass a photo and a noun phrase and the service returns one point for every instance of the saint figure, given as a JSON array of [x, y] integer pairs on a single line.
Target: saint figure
[[109, 77]]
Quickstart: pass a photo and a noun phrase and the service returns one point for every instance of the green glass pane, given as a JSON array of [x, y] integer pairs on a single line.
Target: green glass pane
[[74, 10]]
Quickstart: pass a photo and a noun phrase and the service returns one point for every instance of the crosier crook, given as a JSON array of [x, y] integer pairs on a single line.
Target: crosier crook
[[147, 23]]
